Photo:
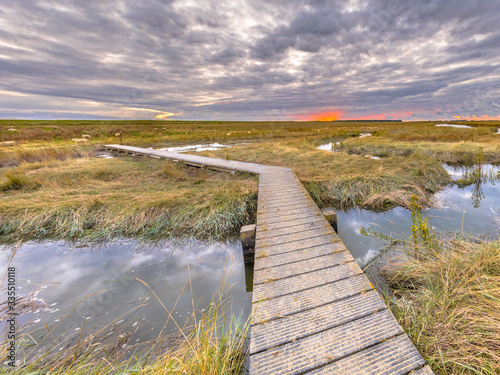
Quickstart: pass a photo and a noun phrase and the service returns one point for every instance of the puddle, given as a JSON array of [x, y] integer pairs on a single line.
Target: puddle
[[331, 146], [454, 126], [196, 148], [328, 146]]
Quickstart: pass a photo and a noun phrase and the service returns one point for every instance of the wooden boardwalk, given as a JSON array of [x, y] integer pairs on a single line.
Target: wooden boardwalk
[[313, 309]]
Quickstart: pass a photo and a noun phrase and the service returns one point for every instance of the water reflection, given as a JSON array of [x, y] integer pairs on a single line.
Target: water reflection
[[475, 176], [459, 209], [82, 289]]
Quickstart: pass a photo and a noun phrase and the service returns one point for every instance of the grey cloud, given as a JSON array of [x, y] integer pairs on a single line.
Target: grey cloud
[[249, 60], [227, 56]]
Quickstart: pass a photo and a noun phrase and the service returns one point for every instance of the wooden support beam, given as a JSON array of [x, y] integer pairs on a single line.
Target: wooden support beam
[[331, 217], [247, 235]]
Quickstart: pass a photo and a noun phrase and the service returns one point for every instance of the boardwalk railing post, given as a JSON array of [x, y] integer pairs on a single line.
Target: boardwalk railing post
[[247, 235], [331, 217]]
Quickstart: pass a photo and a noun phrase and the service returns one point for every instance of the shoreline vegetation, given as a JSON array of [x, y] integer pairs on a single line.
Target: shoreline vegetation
[[54, 188], [444, 292]]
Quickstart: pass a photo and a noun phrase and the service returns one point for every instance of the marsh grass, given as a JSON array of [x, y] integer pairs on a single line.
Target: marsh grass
[[460, 152], [98, 199], [18, 181], [344, 180], [446, 297], [75, 195], [19, 155]]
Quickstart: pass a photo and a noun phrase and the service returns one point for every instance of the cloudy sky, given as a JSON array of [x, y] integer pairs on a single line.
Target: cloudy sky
[[250, 59]]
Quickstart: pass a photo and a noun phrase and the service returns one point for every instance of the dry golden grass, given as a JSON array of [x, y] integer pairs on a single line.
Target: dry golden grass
[[447, 298], [345, 180], [95, 199], [51, 187]]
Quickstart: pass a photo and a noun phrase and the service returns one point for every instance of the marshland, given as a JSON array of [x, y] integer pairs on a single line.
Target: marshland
[[424, 196]]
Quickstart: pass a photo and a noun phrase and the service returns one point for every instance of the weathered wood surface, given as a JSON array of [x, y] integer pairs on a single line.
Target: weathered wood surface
[[313, 309]]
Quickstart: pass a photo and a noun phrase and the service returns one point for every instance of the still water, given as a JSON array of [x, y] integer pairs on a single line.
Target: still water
[[474, 208], [79, 289]]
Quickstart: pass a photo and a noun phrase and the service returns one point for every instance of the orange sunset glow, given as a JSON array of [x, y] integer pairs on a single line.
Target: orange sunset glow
[[325, 116]]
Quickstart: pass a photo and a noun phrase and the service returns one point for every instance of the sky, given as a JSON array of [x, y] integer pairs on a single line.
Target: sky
[[276, 60]]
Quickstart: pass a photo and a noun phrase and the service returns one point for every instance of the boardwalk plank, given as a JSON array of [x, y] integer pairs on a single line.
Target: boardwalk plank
[[264, 232], [273, 241], [286, 217], [298, 255], [298, 268], [396, 356], [306, 323], [273, 288], [263, 249], [324, 347], [289, 223], [293, 303], [277, 211], [285, 205]]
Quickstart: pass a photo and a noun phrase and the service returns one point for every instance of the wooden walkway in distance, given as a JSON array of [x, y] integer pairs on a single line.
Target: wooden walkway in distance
[[313, 309]]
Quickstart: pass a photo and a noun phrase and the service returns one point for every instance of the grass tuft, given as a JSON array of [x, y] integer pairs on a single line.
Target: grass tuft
[[18, 181], [446, 297]]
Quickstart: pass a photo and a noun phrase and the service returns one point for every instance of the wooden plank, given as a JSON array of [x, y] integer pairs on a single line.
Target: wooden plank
[[306, 323], [298, 255], [263, 250], [304, 266], [324, 347], [268, 309], [286, 217], [274, 288], [293, 237], [303, 209], [264, 232], [396, 356], [264, 226], [286, 205]]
